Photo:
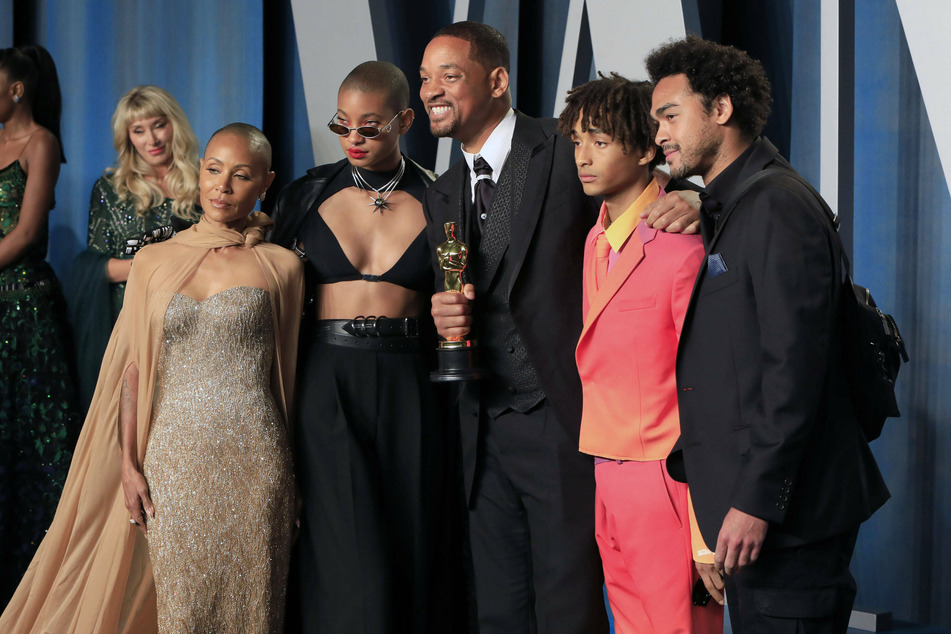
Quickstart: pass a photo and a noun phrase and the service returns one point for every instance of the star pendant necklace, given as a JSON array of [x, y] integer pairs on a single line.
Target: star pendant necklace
[[378, 202]]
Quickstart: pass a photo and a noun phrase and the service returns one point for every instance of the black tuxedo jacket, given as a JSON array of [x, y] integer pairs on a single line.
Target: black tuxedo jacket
[[544, 252], [767, 422]]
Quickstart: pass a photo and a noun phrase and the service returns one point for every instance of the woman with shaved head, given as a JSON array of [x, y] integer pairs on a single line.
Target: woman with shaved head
[[368, 443], [178, 510]]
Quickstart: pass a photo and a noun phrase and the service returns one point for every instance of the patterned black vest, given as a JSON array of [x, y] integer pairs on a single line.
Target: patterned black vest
[[513, 383]]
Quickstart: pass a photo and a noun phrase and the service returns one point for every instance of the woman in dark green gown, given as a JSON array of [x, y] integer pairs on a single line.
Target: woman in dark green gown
[[153, 187], [38, 418]]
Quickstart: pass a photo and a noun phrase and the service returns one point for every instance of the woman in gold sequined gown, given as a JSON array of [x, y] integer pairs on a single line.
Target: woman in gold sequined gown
[[199, 373]]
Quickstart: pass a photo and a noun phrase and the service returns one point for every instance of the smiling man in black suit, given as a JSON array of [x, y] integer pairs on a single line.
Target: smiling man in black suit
[[524, 216], [780, 474]]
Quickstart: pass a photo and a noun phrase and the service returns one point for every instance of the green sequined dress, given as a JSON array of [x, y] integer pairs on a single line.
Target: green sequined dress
[[38, 419], [94, 302], [111, 221]]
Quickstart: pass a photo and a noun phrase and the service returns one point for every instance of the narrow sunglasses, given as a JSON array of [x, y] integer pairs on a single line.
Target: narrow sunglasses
[[366, 131]]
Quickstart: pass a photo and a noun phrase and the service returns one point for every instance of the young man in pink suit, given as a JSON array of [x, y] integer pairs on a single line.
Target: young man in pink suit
[[637, 284]]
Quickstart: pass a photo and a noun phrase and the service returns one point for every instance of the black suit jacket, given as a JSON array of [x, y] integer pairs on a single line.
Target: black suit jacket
[[767, 422], [545, 251]]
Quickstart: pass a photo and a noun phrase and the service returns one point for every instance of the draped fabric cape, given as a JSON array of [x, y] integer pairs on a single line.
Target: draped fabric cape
[[92, 573]]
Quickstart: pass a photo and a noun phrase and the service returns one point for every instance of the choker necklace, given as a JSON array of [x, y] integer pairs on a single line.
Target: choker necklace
[[378, 202]]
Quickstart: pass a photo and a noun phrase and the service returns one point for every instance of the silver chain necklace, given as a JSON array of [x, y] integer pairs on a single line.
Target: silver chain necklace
[[378, 202]]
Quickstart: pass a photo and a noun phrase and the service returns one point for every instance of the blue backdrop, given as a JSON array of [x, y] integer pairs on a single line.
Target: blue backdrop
[[237, 60], [209, 55]]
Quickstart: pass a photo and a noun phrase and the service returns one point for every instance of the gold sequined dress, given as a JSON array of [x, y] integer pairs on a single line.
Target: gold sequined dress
[[219, 469]]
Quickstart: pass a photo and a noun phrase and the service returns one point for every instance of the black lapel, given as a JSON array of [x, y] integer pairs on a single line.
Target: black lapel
[[294, 211], [688, 315], [425, 175], [507, 197], [763, 155], [526, 211]]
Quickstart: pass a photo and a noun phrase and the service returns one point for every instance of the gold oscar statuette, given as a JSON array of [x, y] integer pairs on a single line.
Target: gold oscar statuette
[[456, 356]]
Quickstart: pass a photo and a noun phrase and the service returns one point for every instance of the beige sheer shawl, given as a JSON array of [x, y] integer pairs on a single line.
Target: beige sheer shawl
[[91, 573]]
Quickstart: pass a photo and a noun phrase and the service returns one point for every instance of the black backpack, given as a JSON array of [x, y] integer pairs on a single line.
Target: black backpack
[[873, 347]]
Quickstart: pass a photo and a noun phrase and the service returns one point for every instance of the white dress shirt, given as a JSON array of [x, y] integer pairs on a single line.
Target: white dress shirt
[[495, 150]]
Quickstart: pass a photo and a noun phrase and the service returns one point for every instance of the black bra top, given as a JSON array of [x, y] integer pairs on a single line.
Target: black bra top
[[414, 269]]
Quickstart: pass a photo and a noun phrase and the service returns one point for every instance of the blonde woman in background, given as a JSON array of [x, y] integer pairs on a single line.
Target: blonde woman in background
[[153, 188]]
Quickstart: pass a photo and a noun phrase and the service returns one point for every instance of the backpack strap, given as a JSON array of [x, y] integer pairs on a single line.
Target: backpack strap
[[770, 172], [872, 369]]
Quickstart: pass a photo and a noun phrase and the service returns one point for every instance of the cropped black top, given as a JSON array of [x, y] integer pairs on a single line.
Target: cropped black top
[[414, 269]]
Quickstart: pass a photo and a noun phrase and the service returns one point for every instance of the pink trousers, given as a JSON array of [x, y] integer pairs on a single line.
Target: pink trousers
[[643, 535]]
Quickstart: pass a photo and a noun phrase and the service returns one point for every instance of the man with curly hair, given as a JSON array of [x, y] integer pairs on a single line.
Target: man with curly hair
[[517, 202], [637, 282], [780, 474]]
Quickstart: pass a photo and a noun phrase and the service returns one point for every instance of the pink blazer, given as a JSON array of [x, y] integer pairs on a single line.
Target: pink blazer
[[627, 352]]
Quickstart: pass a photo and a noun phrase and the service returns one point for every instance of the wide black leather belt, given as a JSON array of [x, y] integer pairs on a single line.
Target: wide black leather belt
[[371, 333]]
